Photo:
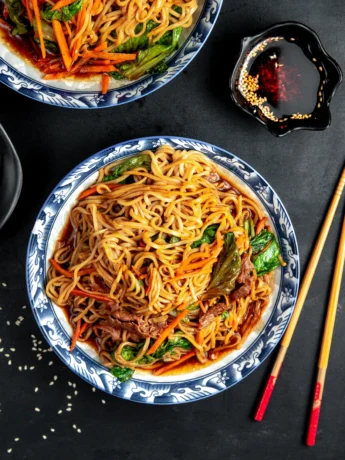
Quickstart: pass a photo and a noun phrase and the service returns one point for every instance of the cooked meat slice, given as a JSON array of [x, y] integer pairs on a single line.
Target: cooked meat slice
[[242, 291], [108, 329], [213, 177], [207, 318], [244, 279]]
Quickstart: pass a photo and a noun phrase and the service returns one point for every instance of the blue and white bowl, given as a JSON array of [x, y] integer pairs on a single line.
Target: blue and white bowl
[[143, 387], [21, 76]]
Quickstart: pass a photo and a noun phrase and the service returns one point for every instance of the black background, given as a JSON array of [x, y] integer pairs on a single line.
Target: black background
[[302, 167]]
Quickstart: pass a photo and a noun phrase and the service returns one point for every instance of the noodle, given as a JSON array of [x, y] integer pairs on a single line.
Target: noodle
[[134, 239]]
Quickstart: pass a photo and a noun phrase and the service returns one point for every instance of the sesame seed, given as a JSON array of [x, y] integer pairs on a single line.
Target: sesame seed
[[69, 409], [20, 368], [16, 439], [7, 355], [32, 368], [70, 384], [52, 430], [75, 427], [55, 377], [50, 363], [36, 389], [8, 323], [79, 430], [51, 383], [9, 362], [103, 402], [44, 436], [69, 397], [74, 385], [37, 409], [25, 367], [13, 350], [75, 392], [24, 307], [60, 412], [34, 349], [69, 404], [39, 343], [8, 450], [4, 284], [33, 336], [93, 389], [1, 350], [39, 358]]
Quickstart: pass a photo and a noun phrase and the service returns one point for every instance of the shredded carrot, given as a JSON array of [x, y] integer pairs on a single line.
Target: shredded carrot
[[198, 337], [83, 328], [68, 28], [75, 337], [80, 22], [28, 9], [93, 190], [99, 297], [57, 76], [61, 4], [260, 225], [185, 275], [101, 62], [97, 68], [39, 27], [115, 57], [101, 47], [183, 305], [200, 264], [105, 83], [61, 39], [168, 367], [195, 255], [167, 331], [69, 274]]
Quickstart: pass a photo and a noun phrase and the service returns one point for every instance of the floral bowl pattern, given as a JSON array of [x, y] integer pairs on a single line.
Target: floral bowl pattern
[[28, 82], [146, 388]]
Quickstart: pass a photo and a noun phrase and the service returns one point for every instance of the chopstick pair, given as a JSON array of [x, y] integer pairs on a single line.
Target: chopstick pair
[[329, 325]]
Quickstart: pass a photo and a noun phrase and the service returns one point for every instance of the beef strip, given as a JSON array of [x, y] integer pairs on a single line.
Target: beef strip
[[207, 318], [244, 279], [108, 329], [213, 177]]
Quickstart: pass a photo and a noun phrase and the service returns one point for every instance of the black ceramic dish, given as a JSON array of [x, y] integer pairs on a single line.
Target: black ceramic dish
[[11, 177], [307, 40]]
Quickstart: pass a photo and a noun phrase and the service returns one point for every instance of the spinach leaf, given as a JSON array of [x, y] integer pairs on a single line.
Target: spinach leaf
[[49, 45], [260, 241], [129, 353], [267, 260], [174, 239], [127, 165], [15, 11], [47, 30], [159, 69], [227, 269], [64, 14], [137, 43], [122, 373], [154, 237], [225, 315], [207, 237], [248, 225]]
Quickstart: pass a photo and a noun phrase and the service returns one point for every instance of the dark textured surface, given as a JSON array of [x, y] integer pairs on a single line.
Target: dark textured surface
[[302, 167]]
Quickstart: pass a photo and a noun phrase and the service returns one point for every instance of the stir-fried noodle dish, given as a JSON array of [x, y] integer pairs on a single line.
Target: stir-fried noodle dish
[[163, 261], [119, 39]]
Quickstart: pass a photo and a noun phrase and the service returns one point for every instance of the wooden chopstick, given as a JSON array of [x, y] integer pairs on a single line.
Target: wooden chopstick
[[327, 340], [308, 277]]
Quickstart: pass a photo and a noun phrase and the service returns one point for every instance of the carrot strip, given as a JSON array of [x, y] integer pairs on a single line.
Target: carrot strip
[[57, 76], [95, 6], [183, 305], [69, 274], [260, 225], [101, 62], [83, 328], [198, 337], [93, 190], [61, 39], [61, 4], [168, 367], [80, 22], [195, 255], [105, 83], [97, 68], [68, 28], [39, 27], [28, 9], [199, 264], [99, 297], [167, 331], [101, 47], [75, 337], [116, 57]]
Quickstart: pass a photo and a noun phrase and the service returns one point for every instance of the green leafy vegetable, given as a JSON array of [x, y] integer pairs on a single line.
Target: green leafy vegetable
[[47, 30], [137, 43], [267, 260], [143, 161], [193, 306], [169, 345], [227, 269], [15, 11], [159, 69], [154, 237], [260, 241], [49, 45], [174, 239], [248, 225], [122, 373], [225, 315], [64, 14], [207, 237]]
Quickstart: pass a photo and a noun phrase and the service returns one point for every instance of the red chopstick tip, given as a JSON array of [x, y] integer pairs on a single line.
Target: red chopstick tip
[[312, 431], [265, 398]]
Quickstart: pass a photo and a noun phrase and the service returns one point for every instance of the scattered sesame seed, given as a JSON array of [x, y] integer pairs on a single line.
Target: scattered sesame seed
[[9, 362], [70, 384], [69, 409], [8, 323], [37, 409], [39, 343], [32, 335], [1, 350], [25, 367], [69, 404], [79, 430], [39, 358], [34, 349], [103, 402], [13, 350], [60, 412], [4, 284], [51, 383], [24, 307], [74, 385], [52, 430], [75, 392], [7, 355], [69, 397], [32, 368], [55, 377], [75, 427], [8, 450], [20, 368], [36, 389], [93, 389], [50, 363], [16, 439], [44, 436]]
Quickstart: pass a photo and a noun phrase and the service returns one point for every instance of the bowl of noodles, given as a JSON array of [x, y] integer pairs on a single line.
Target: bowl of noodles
[[99, 53], [163, 270]]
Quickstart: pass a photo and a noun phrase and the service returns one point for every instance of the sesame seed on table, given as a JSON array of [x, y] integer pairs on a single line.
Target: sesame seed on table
[[48, 412]]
